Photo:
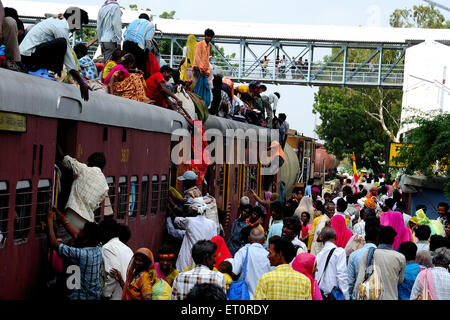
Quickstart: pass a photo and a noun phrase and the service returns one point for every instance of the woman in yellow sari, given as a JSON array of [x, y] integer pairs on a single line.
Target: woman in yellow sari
[[141, 281], [188, 58]]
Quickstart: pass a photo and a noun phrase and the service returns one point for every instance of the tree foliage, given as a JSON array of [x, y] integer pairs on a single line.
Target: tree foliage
[[419, 17], [364, 120], [430, 143]]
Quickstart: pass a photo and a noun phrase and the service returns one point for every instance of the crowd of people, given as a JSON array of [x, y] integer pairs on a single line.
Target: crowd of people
[[315, 245], [130, 66]]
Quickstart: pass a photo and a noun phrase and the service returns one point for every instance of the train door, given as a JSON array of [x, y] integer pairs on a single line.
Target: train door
[[66, 139]]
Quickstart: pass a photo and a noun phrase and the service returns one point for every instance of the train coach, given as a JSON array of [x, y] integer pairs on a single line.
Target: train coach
[[37, 114]]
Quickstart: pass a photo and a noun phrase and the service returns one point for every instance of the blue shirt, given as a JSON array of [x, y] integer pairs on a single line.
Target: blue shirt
[[354, 261], [140, 31], [275, 229], [411, 272], [89, 261]]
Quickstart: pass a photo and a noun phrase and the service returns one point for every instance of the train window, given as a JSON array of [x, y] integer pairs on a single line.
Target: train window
[[253, 177], [236, 180], [164, 194], [134, 196], [247, 179], [43, 203], [111, 191], [220, 180], [155, 192], [122, 205], [144, 201], [4, 208], [22, 218]]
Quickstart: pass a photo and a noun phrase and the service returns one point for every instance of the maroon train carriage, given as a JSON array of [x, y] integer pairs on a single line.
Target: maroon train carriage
[[36, 114]]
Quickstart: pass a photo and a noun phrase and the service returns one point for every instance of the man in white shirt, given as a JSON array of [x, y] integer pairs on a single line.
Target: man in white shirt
[[257, 261], [109, 28], [116, 255], [197, 227], [336, 272], [47, 46]]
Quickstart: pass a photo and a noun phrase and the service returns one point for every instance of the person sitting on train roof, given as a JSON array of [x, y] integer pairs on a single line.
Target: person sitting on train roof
[[89, 188], [47, 46], [86, 254], [138, 40], [126, 82], [110, 64], [282, 125], [9, 21], [88, 68]]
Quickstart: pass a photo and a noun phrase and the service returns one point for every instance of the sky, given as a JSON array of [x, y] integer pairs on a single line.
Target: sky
[[296, 101]]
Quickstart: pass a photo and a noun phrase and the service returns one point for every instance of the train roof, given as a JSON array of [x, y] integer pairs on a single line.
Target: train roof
[[26, 94]]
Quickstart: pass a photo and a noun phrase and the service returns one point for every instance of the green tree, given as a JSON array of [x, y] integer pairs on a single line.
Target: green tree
[[164, 45], [430, 143], [364, 120], [419, 17]]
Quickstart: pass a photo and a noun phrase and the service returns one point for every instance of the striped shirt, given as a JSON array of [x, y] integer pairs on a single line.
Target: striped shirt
[[89, 261], [109, 23], [441, 281], [89, 188], [185, 281], [283, 283], [140, 31]]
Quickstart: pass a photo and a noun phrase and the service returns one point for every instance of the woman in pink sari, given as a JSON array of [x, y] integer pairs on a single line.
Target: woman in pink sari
[[306, 263], [343, 235], [395, 220]]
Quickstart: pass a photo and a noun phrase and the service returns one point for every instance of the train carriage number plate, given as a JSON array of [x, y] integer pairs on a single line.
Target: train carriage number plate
[[13, 122]]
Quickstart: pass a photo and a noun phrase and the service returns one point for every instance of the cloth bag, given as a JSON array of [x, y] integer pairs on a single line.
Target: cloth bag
[[238, 289], [202, 89], [211, 210], [372, 287]]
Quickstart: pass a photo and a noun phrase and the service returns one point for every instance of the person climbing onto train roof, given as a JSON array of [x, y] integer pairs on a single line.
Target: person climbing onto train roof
[[47, 46], [89, 188], [86, 254], [158, 91]]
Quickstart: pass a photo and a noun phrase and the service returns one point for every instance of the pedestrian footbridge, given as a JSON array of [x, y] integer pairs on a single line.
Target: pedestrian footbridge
[[315, 55]]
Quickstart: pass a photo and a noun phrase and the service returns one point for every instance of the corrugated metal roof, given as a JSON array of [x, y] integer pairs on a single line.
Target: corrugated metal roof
[[246, 30]]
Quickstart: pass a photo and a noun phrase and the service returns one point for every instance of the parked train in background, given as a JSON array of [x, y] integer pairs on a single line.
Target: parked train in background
[[36, 114]]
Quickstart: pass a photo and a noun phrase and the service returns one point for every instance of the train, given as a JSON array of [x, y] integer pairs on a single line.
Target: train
[[38, 114]]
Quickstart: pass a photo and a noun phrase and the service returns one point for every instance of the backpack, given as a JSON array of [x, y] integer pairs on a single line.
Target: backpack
[[238, 289], [372, 286]]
